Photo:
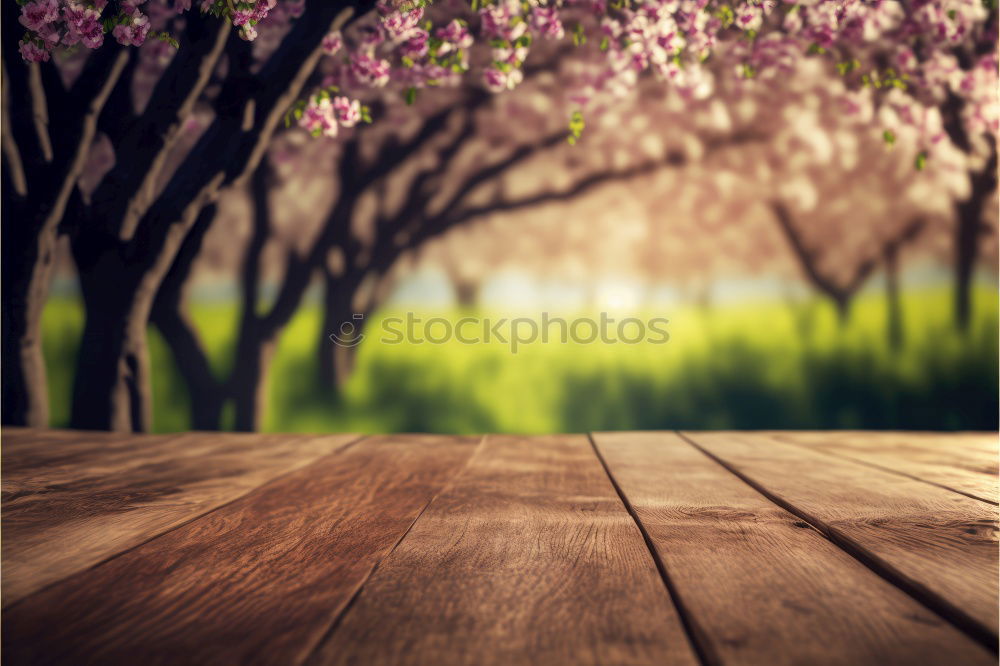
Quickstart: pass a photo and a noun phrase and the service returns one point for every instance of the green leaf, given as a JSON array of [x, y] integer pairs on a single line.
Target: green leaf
[[921, 161], [411, 95], [889, 137]]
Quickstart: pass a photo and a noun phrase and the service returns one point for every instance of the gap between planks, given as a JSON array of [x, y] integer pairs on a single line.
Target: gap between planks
[[884, 468], [338, 617], [695, 634], [950, 612]]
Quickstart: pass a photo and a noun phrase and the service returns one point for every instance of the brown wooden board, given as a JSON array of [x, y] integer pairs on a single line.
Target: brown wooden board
[[965, 463], [528, 558], [71, 500], [760, 586], [938, 545], [258, 580]]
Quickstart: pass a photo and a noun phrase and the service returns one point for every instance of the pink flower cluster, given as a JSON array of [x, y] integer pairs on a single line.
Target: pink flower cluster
[[503, 20], [398, 25], [332, 42], [246, 16], [64, 23], [131, 31], [323, 116], [368, 70]]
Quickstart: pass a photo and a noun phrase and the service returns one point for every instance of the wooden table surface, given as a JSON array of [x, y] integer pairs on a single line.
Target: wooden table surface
[[613, 548]]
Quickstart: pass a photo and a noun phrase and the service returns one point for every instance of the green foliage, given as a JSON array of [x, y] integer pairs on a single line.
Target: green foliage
[[576, 126], [726, 15], [748, 366]]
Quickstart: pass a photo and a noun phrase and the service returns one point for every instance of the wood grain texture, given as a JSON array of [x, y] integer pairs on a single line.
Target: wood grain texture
[[528, 558], [258, 580], [938, 545], [760, 585], [965, 463], [73, 499]]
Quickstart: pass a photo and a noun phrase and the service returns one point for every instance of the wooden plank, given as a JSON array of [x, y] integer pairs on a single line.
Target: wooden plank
[[965, 463], [938, 545], [529, 557], [71, 500], [759, 585], [257, 581]]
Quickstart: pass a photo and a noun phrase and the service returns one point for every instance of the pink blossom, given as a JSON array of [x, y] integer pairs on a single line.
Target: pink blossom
[[546, 23], [510, 56], [82, 25], [241, 17], [396, 24], [348, 111], [31, 52], [37, 14], [318, 118], [416, 46], [497, 80], [369, 71], [134, 33], [453, 36], [332, 42], [497, 20]]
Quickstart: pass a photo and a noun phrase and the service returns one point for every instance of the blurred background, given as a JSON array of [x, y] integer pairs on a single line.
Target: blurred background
[[807, 264]]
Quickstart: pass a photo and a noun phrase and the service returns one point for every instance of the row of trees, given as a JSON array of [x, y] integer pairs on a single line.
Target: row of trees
[[136, 232]]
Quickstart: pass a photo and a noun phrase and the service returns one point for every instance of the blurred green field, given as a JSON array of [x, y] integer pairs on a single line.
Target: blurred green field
[[753, 366]]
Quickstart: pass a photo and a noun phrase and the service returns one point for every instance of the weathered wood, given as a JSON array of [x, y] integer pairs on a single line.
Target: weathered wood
[[528, 558], [965, 463], [760, 586], [938, 545], [258, 580], [73, 499]]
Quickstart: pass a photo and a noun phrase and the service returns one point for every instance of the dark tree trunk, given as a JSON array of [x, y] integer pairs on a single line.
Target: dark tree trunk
[[968, 228], [28, 261], [206, 394], [47, 132], [119, 280], [842, 301], [341, 331], [111, 389], [466, 293], [893, 302], [248, 381]]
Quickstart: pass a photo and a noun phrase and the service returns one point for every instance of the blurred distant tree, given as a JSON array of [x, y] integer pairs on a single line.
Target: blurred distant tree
[[451, 181]]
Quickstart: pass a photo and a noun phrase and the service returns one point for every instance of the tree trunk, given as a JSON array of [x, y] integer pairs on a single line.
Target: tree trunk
[[249, 377], [341, 332], [893, 303], [205, 393], [966, 250], [843, 304], [28, 266], [466, 293], [111, 389]]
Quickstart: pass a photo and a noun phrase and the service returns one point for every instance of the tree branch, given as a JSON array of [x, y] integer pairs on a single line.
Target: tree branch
[[126, 192], [15, 167]]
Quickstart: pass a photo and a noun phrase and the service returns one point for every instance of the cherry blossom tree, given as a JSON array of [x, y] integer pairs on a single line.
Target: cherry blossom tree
[[929, 65], [127, 230]]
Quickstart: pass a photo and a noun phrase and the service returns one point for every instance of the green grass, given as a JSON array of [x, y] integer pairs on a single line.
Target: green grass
[[753, 366]]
